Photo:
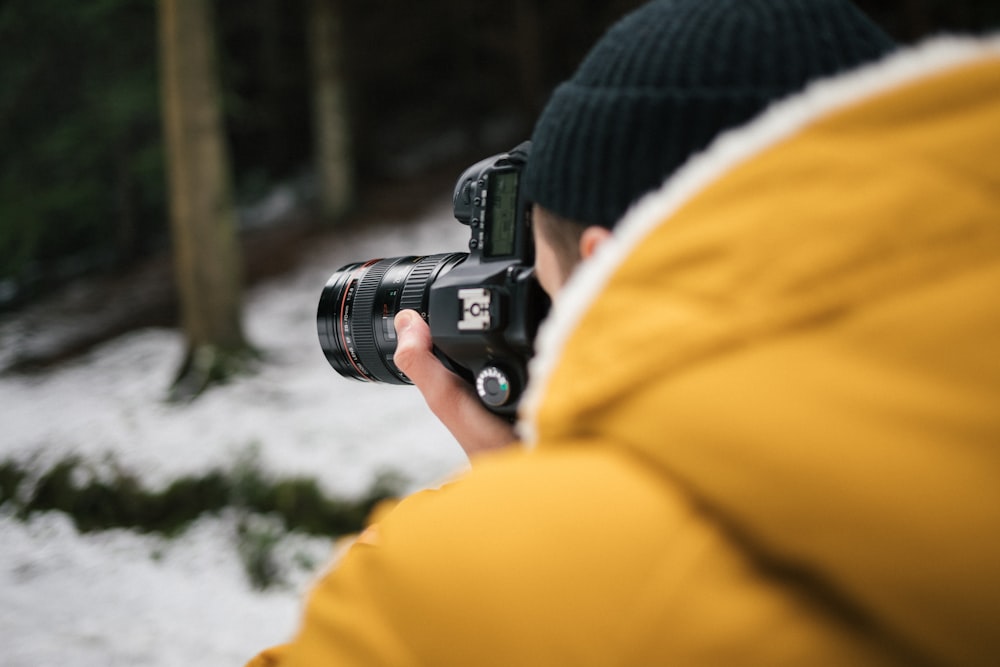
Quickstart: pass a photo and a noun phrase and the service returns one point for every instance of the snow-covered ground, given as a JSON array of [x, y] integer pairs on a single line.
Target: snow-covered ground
[[121, 598]]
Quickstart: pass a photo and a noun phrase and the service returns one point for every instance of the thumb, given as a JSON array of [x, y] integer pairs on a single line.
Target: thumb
[[413, 345]]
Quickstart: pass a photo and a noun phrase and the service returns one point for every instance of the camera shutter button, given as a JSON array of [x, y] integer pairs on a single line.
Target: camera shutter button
[[493, 386]]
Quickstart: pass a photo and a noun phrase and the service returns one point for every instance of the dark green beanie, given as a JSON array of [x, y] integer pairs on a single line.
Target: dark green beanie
[[669, 77]]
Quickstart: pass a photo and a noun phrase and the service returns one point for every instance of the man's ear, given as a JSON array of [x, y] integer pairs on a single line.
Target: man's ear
[[591, 240]]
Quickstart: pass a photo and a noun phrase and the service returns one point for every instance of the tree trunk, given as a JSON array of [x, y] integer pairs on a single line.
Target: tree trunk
[[207, 258], [331, 125]]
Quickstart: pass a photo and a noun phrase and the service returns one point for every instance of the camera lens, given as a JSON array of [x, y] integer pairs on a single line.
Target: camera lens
[[357, 307]]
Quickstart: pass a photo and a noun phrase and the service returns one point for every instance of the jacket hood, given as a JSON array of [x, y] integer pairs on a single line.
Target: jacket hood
[[801, 330]]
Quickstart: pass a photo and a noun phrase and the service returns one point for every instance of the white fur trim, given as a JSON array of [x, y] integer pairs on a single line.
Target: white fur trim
[[731, 148]]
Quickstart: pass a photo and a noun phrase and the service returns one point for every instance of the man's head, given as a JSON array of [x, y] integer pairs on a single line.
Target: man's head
[[660, 85]]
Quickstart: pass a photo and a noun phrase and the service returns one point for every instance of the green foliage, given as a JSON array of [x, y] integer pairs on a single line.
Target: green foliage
[[266, 509], [121, 502], [11, 477], [257, 540], [80, 172]]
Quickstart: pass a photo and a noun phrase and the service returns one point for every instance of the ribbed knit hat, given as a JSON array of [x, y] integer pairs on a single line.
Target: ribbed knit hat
[[666, 79]]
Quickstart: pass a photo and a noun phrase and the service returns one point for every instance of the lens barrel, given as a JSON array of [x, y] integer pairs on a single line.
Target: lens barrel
[[357, 307]]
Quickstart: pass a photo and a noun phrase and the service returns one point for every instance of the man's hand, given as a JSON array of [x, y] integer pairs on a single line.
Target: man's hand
[[449, 398]]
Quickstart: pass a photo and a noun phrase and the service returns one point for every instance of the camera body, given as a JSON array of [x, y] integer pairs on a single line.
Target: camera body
[[483, 308], [484, 313]]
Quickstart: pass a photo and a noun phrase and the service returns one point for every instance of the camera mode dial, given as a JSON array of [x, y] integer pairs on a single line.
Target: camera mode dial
[[494, 387]]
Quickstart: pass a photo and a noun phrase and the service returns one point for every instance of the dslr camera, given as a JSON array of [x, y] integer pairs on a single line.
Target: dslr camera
[[483, 307]]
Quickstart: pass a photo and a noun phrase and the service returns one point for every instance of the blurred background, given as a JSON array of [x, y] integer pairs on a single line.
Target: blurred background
[[178, 178], [424, 88]]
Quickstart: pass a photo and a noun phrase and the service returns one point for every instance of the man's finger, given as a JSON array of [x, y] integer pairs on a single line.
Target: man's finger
[[414, 350]]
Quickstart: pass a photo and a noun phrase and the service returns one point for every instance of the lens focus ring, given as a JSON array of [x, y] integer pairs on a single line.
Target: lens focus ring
[[414, 296], [364, 331]]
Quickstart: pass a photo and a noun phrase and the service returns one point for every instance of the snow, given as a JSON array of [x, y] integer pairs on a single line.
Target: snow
[[122, 598], [118, 598]]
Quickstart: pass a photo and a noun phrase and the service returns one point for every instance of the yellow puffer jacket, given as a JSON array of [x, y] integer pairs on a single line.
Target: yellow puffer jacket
[[765, 422]]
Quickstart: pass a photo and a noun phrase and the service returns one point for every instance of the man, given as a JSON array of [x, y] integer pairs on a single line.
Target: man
[[762, 424], [656, 89]]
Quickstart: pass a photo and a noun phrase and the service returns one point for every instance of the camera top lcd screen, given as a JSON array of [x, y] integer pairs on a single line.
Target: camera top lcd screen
[[503, 213]]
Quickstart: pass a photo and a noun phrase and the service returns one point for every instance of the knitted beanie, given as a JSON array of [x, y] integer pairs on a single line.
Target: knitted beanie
[[670, 76]]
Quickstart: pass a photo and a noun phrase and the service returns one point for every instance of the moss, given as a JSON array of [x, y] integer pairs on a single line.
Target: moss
[[257, 540], [11, 477], [266, 508], [121, 502]]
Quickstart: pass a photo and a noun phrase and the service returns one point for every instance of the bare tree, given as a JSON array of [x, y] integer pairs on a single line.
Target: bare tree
[[207, 257], [331, 123]]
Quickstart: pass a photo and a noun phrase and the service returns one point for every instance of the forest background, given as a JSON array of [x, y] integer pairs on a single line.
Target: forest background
[[428, 86]]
